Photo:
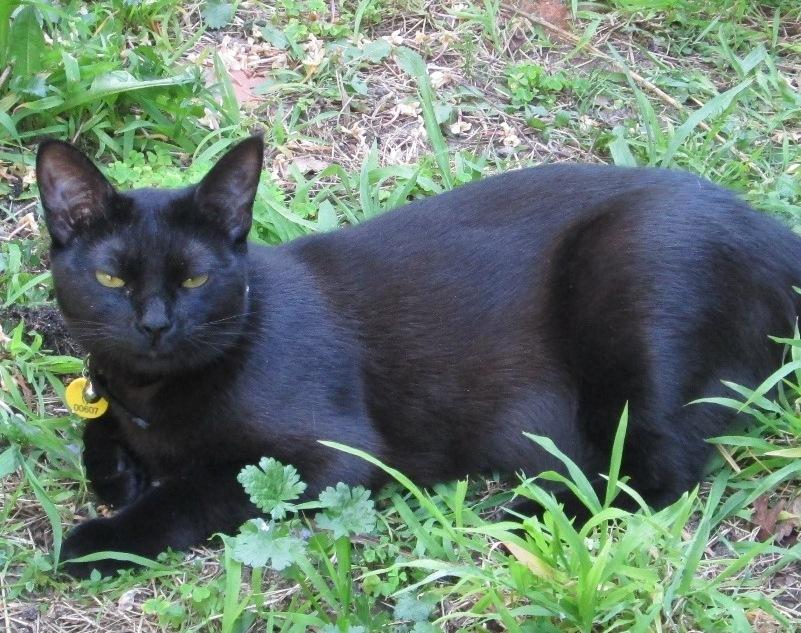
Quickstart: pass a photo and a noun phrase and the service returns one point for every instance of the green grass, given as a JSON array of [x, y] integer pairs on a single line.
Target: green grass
[[377, 103]]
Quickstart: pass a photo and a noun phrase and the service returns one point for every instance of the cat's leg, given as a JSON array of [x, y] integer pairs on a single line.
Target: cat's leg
[[665, 449], [666, 453], [550, 410], [570, 503], [177, 513], [660, 469], [113, 472]]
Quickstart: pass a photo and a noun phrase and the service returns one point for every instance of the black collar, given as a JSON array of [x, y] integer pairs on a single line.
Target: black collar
[[101, 386]]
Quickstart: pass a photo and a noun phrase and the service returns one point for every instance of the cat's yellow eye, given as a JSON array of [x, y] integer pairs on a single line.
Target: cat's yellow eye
[[109, 281], [195, 282]]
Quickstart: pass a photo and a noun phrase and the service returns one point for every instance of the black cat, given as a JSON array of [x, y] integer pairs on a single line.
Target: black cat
[[539, 300]]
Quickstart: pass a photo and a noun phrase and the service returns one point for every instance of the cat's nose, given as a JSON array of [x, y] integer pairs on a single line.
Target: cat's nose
[[155, 320], [155, 328]]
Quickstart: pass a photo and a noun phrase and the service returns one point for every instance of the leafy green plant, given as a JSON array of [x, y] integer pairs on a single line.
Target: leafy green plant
[[343, 513], [528, 83], [28, 375], [169, 613], [153, 169], [620, 568], [6, 9], [272, 486]]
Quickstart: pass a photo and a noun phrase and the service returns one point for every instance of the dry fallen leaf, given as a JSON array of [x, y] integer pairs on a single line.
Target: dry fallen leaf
[[13, 173], [460, 127], [309, 164], [765, 518], [27, 392], [795, 509], [408, 109], [446, 38], [127, 599], [510, 139], [26, 227], [440, 79], [104, 510], [789, 524], [420, 38], [209, 119], [315, 56], [395, 38], [244, 84]]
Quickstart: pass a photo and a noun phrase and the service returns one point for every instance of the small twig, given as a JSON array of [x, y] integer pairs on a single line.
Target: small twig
[[19, 229], [636, 77], [345, 111], [729, 459]]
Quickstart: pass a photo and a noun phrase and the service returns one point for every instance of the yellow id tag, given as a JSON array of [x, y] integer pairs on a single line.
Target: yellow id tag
[[82, 402]]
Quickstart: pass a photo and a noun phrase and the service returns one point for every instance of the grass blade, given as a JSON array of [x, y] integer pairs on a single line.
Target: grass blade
[[50, 510], [712, 108], [583, 485], [617, 457]]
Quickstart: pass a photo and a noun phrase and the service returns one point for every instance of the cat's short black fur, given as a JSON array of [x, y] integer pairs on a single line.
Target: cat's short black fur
[[539, 300]]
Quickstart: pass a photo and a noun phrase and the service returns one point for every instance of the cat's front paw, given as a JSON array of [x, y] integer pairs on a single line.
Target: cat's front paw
[[116, 479], [90, 537]]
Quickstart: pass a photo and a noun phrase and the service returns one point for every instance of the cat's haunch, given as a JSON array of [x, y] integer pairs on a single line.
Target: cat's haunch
[[433, 336]]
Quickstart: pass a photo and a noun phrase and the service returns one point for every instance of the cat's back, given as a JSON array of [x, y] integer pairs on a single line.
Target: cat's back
[[518, 217], [542, 198], [540, 195]]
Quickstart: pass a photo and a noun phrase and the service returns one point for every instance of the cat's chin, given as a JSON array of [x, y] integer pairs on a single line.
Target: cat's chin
[[152, 364], [162, 363]]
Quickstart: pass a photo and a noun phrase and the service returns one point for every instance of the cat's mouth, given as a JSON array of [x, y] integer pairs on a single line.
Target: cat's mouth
[[153, 354], [154, 361], [158, 352]]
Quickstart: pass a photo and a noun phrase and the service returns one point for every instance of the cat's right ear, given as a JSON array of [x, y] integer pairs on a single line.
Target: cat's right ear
[[226, 193], [72, 189]]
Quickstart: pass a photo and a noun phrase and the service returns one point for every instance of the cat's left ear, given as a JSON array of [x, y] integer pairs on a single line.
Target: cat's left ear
[[227, 192], [72, 189]]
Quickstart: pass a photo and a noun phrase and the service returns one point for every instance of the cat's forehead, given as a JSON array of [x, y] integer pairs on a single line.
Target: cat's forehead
[[158, 205], [157, 226], [146, 246]]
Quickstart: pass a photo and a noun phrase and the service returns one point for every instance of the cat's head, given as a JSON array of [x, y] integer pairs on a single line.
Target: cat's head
[[151, 281]]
